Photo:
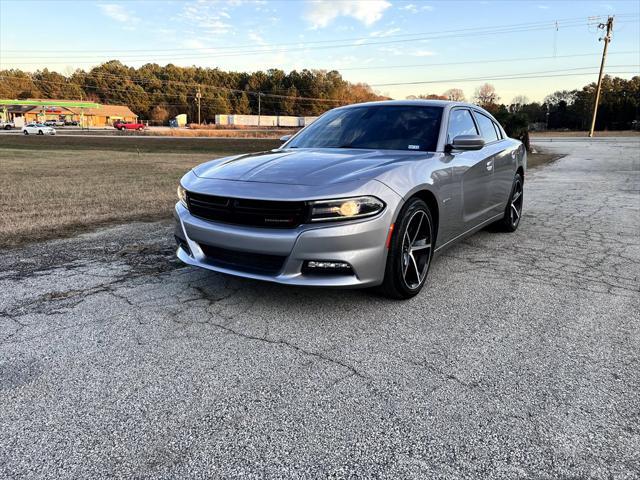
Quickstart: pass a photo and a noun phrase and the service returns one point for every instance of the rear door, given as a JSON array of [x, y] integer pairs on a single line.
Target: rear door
[[498, 159]]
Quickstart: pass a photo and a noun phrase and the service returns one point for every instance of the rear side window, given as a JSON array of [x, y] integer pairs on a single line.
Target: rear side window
[[487, 129], [498, 130], [460, 123]]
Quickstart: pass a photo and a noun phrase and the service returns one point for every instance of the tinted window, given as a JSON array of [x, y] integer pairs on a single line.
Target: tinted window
[[460, 123], [487, 130], [377, 127]]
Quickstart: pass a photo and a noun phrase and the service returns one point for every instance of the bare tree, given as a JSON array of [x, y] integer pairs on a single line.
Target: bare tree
[[455, 95], [517, 103], [486, 95]]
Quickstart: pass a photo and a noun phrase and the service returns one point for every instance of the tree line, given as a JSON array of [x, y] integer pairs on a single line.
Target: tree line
[[160, 92]]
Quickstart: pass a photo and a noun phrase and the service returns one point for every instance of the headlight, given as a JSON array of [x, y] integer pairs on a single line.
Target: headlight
[[182, 196], [345, 208]]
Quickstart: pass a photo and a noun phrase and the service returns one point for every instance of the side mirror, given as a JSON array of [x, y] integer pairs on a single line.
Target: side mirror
[[285, 138], [467, 142]]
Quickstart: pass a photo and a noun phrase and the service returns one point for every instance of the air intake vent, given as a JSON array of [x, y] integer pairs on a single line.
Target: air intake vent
[[243, 261]]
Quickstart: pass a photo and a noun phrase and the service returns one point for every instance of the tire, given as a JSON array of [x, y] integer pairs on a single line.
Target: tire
[[513, 211], [7, 127], [26, 133], [140, 129], [40, 132], [410, 251]]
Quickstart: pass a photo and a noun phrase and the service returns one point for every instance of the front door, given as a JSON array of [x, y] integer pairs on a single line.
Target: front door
[[473, 171]]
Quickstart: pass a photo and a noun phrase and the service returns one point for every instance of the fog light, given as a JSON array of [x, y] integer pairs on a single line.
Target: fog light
[[327, 267]]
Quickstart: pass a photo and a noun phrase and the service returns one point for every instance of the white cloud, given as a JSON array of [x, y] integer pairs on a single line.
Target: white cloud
[[257, 38], [320, 13], [410, 7], [118, 13], [193, 43], [385, 33], [421, 53], [403, 52], [208, 16], [413, 8]]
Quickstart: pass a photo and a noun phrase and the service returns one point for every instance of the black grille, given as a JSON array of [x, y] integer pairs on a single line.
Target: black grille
[[239, 211], [243, 261]]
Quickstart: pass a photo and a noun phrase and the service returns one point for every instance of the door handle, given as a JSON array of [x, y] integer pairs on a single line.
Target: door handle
[[490, 165]]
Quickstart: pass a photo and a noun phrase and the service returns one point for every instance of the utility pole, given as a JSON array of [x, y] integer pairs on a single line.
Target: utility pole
[[259, 94], [198, 97], [606, 39]]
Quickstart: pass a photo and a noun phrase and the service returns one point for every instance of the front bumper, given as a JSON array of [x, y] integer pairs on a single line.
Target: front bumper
[[361, 243]]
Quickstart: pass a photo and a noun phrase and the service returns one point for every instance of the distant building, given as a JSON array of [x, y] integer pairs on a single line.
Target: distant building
[[50, 109]]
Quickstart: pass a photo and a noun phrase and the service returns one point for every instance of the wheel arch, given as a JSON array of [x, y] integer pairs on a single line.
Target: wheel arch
[[428, 197]]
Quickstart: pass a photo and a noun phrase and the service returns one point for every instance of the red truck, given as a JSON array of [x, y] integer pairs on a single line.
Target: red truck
[[120, 125]]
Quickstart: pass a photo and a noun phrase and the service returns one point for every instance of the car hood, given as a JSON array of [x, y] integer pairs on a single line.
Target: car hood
[[321, 166]]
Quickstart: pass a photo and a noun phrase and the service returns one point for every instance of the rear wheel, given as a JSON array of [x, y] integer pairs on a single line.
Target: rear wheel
[[40, 132], [410, 251], [513, 210], [25, 132]]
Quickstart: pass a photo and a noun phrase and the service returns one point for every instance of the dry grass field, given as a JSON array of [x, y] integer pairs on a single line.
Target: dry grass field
[[58, 187], [53, 187]]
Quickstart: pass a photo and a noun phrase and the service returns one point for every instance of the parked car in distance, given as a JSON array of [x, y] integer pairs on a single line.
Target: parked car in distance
[[7, 125], [364, 196], [71, 123], [54, 123], [38, 129], [128, 125]]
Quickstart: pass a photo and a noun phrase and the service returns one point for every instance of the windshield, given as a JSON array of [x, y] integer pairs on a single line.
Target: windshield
[[376, 127]]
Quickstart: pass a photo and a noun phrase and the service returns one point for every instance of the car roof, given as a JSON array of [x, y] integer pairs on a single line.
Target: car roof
[[407, 103], [420, 102]]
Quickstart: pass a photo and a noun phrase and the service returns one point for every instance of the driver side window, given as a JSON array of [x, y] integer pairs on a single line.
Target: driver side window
[[460, 123]]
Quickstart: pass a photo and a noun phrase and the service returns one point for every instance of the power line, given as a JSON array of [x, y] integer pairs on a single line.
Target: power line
[[551, 23], [472, 62], [285, 50], [501, 77]]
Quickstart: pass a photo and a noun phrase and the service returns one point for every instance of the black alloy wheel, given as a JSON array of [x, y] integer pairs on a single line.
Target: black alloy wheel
[[513, 210], [410, 251]]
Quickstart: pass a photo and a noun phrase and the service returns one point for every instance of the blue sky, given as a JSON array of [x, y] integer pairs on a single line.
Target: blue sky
[[379, 42]]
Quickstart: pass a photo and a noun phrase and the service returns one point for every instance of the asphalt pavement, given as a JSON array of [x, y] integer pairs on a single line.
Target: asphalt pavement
[[520, 359]]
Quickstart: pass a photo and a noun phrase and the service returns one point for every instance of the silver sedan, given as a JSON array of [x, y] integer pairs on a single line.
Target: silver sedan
[[365, 196]]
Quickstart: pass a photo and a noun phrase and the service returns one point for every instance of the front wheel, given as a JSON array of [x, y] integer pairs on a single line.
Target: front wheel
[[410, 251], [40, 132], [513, 210], [25, 132]]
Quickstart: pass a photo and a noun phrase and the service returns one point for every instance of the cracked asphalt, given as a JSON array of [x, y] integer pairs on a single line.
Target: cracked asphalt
[[520, 359]]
